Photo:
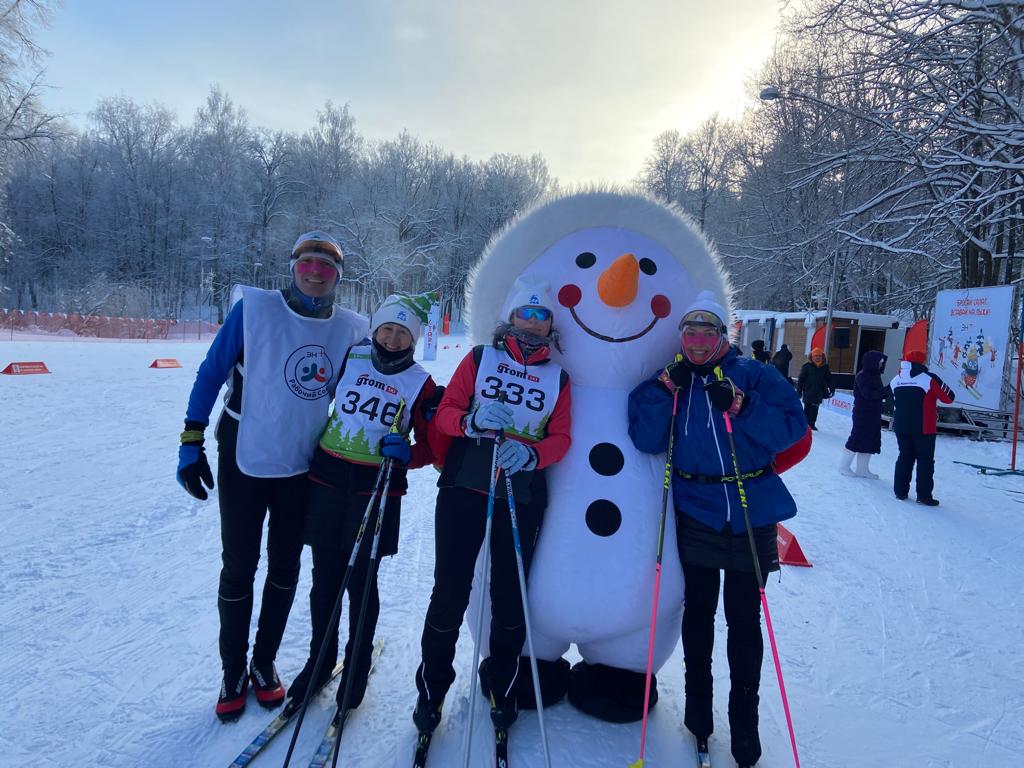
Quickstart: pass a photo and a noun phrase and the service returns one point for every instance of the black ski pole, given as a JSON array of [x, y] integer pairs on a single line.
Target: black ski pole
[[371, 572], [335, 613]]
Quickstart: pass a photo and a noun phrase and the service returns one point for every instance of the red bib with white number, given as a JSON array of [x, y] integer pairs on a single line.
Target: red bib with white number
[[365, 406], [530, 391]]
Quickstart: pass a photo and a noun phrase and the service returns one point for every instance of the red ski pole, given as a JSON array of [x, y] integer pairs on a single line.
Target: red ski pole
[[760, 579], [657, 580]]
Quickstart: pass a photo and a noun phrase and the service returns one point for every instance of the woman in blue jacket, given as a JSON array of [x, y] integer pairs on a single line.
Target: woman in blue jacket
[[711, 533]]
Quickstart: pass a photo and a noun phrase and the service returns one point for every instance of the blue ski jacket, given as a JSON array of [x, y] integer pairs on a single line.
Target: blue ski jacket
[[771, 421]]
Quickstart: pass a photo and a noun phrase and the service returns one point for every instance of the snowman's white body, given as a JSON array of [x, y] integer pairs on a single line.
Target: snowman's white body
[[592, 579], [594, 590]]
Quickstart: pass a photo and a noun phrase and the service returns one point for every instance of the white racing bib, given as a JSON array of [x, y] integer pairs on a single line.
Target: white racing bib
[[530, 391], [291, 367], [365, 405]]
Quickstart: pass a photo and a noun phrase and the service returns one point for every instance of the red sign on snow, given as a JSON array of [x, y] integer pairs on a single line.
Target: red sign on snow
[[165, 362], [789, 550], [22, 369]]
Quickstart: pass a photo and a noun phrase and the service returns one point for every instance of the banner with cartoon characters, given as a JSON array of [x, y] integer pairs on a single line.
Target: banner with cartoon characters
[[970, 343]]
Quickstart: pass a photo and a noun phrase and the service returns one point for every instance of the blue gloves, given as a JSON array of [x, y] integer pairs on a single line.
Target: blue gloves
[[194, 469], [396, 446], [513, 456], [490, 416]]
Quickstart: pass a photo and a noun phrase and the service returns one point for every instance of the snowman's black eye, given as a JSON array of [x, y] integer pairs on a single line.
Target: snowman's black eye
[[586, 260], [648, 267]]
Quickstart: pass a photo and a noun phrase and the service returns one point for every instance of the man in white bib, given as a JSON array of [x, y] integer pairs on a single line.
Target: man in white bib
[[280, 353]]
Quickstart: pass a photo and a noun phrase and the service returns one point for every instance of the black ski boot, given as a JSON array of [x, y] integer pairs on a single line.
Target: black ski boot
[[233, 689], [427, 714], [746, 744], [504, 712], [297, 690]]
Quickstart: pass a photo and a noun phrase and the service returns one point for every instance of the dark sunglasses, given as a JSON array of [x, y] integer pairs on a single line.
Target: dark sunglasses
[[532, 313]]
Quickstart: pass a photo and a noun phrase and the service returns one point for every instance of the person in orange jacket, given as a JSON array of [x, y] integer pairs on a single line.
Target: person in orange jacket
[[814, 385]]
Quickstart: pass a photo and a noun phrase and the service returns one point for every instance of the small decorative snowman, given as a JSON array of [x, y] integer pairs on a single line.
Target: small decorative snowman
[[622, 267]]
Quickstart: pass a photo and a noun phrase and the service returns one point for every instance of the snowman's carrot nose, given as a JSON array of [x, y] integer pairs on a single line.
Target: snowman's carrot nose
[[617, 284]]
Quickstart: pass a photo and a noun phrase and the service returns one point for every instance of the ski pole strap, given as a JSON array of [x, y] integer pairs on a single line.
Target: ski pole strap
[[696, 477]]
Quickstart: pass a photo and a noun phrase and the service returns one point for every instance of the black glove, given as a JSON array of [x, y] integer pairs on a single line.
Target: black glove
[[676, 375], [429, 406], [194, 469], [725, 396]]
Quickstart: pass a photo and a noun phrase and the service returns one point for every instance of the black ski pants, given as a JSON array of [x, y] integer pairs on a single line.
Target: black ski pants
[[920, 450], [329, 567], [745, 646], [244, 504], [811, 412], [459, 524]]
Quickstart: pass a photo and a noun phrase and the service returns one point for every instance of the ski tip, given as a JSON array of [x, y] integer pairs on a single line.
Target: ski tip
[[637, 764]]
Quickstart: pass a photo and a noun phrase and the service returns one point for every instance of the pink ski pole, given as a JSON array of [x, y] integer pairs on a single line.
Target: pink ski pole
[[657, 580], [760, 579]]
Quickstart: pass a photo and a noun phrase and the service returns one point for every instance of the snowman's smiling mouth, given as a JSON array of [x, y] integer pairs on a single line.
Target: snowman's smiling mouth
[[570, 295]]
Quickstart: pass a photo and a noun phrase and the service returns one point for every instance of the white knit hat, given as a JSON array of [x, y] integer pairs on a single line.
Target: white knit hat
[[705, 309], [529, 291], [402, 310]]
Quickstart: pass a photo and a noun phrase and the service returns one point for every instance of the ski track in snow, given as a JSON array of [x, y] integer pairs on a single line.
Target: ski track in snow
[[902, 646]]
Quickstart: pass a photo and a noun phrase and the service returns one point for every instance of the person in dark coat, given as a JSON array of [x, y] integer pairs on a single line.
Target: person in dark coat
[[710, 382], [759, 353], [814, 385], [916, 393], [869, 392], [781, 360]]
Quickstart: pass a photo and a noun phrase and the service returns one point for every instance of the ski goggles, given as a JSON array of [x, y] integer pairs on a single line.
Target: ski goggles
[[309, 264], [700, 333], [540, 314]]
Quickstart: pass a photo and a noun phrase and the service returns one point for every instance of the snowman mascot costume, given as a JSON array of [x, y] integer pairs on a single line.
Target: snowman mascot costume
[[622, 268]]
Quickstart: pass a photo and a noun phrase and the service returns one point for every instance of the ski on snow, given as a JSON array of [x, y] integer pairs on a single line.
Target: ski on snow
[[275, 726], [325, 751], [419, 759], [703, 754], [500, 748]]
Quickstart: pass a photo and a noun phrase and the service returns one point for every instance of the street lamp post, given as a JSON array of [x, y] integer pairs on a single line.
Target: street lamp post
[[207, 243], [773, 93]]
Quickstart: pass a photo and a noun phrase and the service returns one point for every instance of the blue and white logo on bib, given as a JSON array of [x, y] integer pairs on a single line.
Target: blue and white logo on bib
[[308, 372]]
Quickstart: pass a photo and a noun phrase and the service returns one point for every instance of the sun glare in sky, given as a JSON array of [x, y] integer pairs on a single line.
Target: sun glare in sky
[[587, 84]]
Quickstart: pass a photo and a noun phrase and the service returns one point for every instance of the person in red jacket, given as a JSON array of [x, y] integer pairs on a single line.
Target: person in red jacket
[[916, 393], [510, 386]]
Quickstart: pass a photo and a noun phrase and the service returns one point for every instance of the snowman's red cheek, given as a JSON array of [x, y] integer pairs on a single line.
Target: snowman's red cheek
[[660, 306], [569, 295]]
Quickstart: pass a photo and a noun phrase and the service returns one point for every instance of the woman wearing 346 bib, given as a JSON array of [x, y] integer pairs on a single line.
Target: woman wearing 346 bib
[[377, 378], [511, 385], [275, 407]]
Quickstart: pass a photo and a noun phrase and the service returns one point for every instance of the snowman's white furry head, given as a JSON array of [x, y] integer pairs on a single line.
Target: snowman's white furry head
[[622, 268]]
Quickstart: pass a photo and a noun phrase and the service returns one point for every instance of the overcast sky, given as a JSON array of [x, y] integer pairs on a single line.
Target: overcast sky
[[588, 84]]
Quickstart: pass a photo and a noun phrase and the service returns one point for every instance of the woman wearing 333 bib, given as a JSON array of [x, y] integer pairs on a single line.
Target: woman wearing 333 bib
[[377, 378], [511, 385]]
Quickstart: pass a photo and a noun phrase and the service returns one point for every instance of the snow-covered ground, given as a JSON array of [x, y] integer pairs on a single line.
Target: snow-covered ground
[[902, 646]]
